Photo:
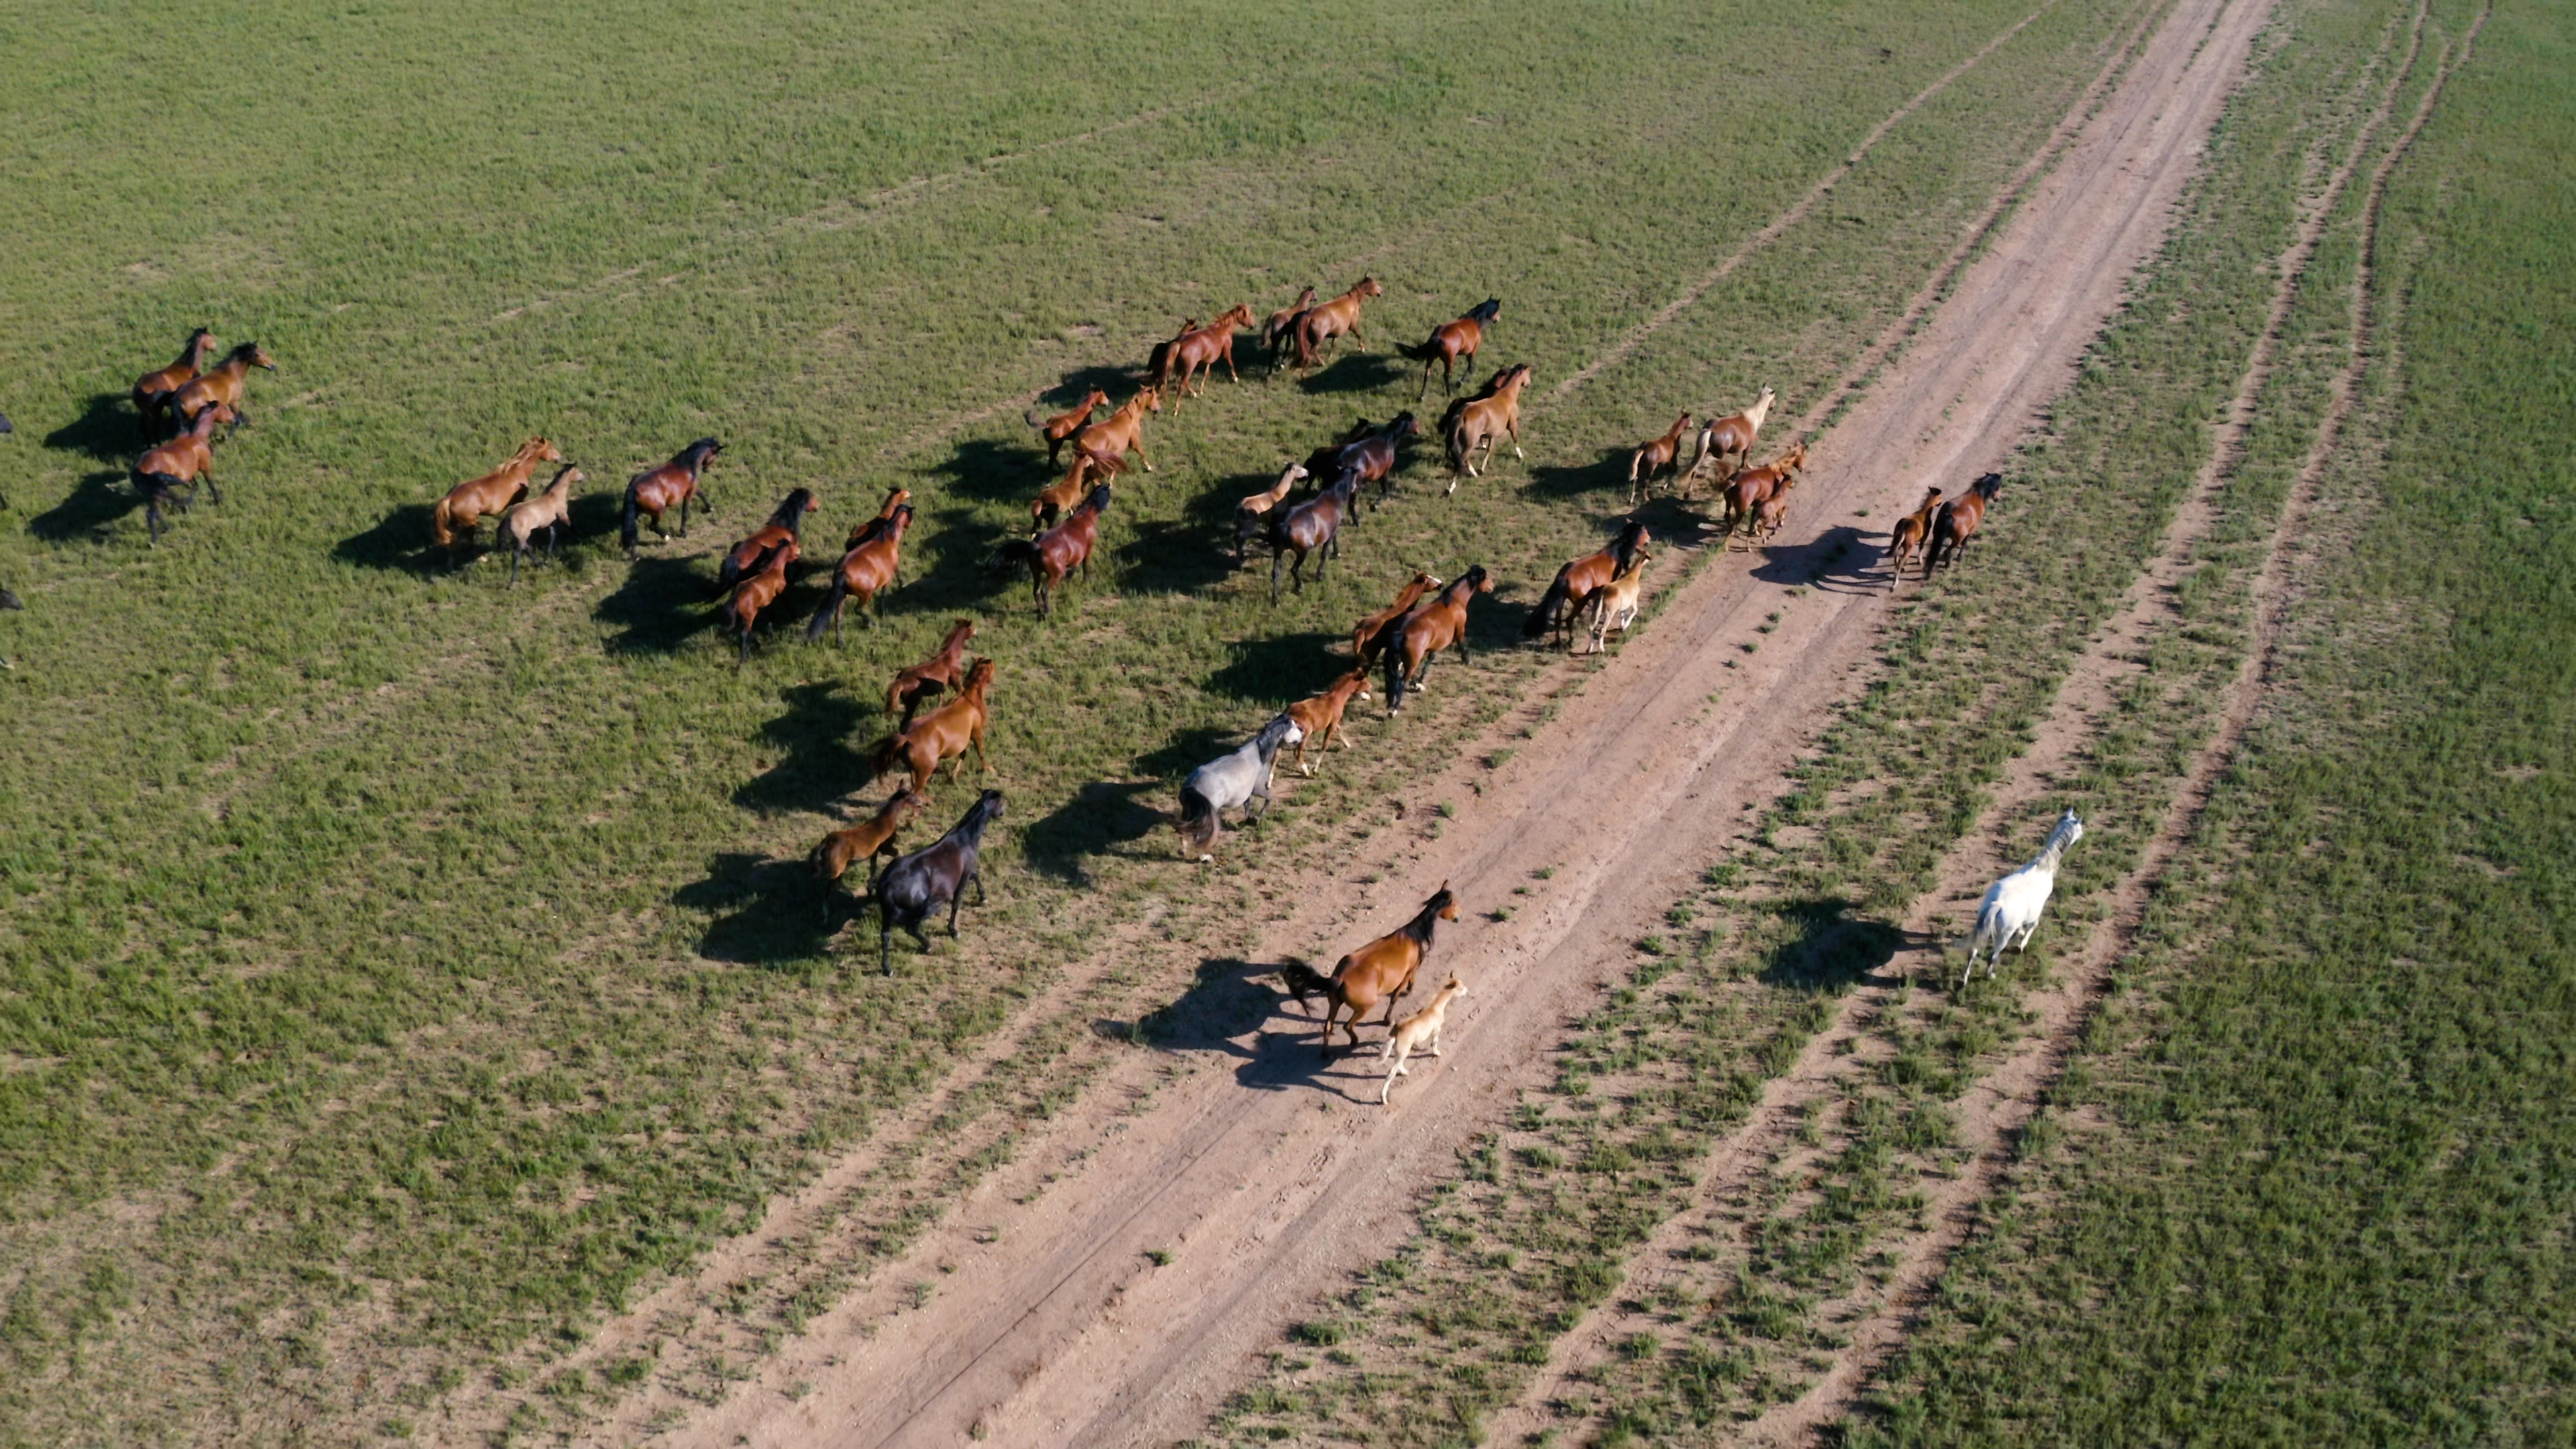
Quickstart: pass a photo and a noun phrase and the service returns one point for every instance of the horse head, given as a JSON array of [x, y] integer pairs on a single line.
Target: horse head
[[1098, 501], [1405, 426], [1368, 287]]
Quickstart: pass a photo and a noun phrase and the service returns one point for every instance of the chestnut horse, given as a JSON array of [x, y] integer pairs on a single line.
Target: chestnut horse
[[675, 484], [224, 383], [1060, 429], [1912, 532], [1055, 498], [1370, 635], [1319, 717], [1655, 456], [932, 677], [867, 569], [1198, 351], [1959, 520], [549, 512], [1382, 970], [1453, 345], [1278, 328], [870, 840], [153, 390], [757, 590], [1575, 583], [1249, 513], [1326, 321], [460, 513], [1744, 493], [785, 525], [1731, 436], [941, 735], [179, 463], [1313, 526], [1772, 512], [1434, 626], [867, 528], [1487, 419], [1123, 431], [1052, 556]]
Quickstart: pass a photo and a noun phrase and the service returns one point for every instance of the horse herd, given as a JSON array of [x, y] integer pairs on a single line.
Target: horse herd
[[1589, 600]]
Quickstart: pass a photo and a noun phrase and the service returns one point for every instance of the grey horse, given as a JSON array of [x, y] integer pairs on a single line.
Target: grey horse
[[1236, 778]]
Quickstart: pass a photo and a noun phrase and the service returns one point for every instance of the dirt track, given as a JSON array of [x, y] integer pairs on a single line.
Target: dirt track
[[1266, 1178]]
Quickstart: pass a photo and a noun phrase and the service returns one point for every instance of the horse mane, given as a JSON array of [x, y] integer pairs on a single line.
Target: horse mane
[[196, 340], [243, 352], [695, 455], [1484, 312], [791, 513], [1631, 538]]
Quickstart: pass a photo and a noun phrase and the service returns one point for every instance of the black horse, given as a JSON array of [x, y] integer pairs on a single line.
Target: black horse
[[913, 887]]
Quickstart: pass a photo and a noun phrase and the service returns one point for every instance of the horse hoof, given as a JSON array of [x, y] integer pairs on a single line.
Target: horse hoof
[[1207, 860]]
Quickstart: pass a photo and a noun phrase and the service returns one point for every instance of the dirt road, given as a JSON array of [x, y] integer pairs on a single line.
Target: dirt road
[[1120, 1277]]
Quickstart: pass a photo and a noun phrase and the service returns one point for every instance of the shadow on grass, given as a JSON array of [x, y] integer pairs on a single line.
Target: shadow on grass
[[1275, 670], [400, 540], [768, 912], [1356, 372], [1837, 561], [1173, 556], [96, 503], [982, 468], [664, 603], [1835, 950], [1117, 379], [107, 431], [961, 578], [817, 763], [1606, 474], [1102, 818]]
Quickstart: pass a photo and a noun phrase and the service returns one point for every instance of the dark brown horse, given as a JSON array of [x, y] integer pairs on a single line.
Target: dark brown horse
[[914, 886], [153, 390], [1060, 428], [867, 569], [1371, 452], [1576, 582], [1313, 526], [675, 484], [1382, 970], [785, 525], [1278, 331], [1437, 624], [1453, 345], [1959, 520], [918, 684], [1198, 351], [180, 463], [226, 382], [1322, 323], [1906, 541], [1052, 556]]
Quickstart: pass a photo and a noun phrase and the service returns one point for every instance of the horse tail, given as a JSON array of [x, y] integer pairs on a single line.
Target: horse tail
[[1198, 819], [1017, 553], [163, 484], [626, 527], [1421, 351], [1305, 345], [1544, 617], [1457, 444], [1159, 363], [831, 604], [441, 525], [1303, 981], [885, 753], [728, 574]]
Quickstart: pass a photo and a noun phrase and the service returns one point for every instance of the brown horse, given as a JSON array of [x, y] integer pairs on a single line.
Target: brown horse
[[867, 569], [1744, 492], [870, 840], [1198, 351], [1959, 520], [1453, 345], [1319, 717], [152, 391], [179, 463], [1731, 437], [866, 528], [1322, 323], [1057, 497], [1313, 527], [1249, 513], [936, 675], [1052, 556], [757, 590], [1912, 532], [1576, 582], [1614, 605], [1123, 431], [1487, 419], [1279, 328], [675, 484], [226, 382], [1438, 624], [549, 513], [1653, 457], [1382, 970], [1372, 452], [786, 524], [1060, 429], [460, 513], [1772, 512], [943, 734], [1370, 635]]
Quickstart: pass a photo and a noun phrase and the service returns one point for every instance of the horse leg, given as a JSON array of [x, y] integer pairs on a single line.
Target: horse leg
[[514, 566], [978, 879], [885, 944], [152, 516], [956, 900], [684, 515], [1274, 577]]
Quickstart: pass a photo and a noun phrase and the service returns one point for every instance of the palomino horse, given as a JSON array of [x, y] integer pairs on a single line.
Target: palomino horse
[[226, 382], [1371, 451], [1959, 520], [1418, 1032], [179, 463], [1060, 429], [1123, 431], [785, 525], [756, 590], [1327, 320], [1440, 623], [1231, 780], [153, 390], [1319, 717], [1052, 556], [1745, 492], [1906, 541], [1486, 420], [547, 513], [1614, 605], [1731, 437], [1279, 328], [918, 684], [943, 734], [1370, 635], [1250, 514], [867, 569], [1655, 456], [1198, 351], [1575, 583], [1453, 345], [1382, 970], [914, 886], [675, 484], [460, 513], [870, 840], [1313, 526]]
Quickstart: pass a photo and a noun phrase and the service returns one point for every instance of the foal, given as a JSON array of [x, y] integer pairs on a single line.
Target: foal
[[870, 840], [1655, 456], [549, 512], [1420, 1031]]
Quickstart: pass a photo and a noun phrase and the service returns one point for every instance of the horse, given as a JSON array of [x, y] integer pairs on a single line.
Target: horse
[[1485, 419], [1414, 1031], [1236, 778], [1655, 456], [1431, 627], [1060, 428], [1772, 512], [1959, 520], [756, 590], [1055, 498], [943, 734], [1123, 431], [153, 389], [1052, 556], [1313, 526], [1907, 539], [1322, 323], [1372, 451], [869, 840], [1745, 491], [1278, 327], [2013, 904], [1453, 344], [1248, 514], [915, 885], [460, 513], [1198, 351], [223, 383], [936, 675], [785, 525], [1319, 716], [1370, 635], [1614, 604], [1732, 435], [867, 569], [1576, 582], [675, 484], [179, 463], [1382, 970], [550, 511], [867, 528]]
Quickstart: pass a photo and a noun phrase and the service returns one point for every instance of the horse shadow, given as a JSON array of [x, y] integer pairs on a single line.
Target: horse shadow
[[1835, 561], [399, 540], [1188, 750], [1834, 949], [1171, 556], [1572, 480], [1100, 818], [816, 764], [1113, 378], [594, 516], [991, 470], [961, 577], [771, 911], [107, 431], [90, 511], [1229, 1002], [663, 604], [1277, 667], [1355, 372]]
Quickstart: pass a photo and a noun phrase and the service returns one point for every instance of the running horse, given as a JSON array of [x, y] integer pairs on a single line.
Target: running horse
[[1382, 970], [1313, 526], [675, 484], [179, 463], [1324, 322], [1959, 520], [1197, 352], [915, 885], [756, 590], [1052, 556], [1371, 451], [1575, 583], [1486, 420], [785, 525], [1453, 345], [1278, 329], [942, 671], [1653, 457], [1732, 436], [1056, 498], [1319, 716], [1123, 431], [867, 568], [227, 382], [870, 840], [941, 735], [1370, 635], [1060, 428], [1251, 514], [153, 390], [549, 513], [460, 513], [1750, 488], [1431, 627], [1907, 539]]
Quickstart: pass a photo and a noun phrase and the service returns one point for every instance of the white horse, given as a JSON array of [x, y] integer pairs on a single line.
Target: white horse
[[2014, 903], [1237, 778]]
